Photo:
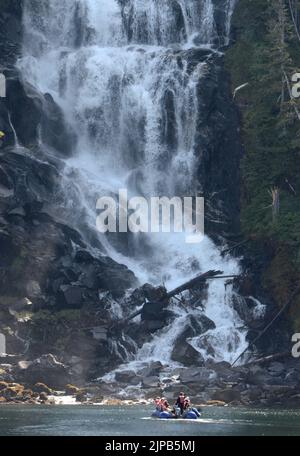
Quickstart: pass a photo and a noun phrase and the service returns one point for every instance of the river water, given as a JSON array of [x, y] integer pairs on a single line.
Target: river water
[[135, 421]]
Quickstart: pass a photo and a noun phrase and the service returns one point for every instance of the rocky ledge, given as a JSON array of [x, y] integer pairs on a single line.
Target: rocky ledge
[[274, 384]]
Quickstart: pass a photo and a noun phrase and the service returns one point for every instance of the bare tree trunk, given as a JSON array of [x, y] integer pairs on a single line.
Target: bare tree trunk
[[291, 95], [294, 18], [275, 203]]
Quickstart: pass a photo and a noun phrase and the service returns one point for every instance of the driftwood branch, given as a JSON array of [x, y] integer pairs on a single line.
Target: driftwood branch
[[291, 187], [239, 88]]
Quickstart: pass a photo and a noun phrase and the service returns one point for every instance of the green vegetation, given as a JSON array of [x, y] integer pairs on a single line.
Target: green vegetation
[[265, 54]]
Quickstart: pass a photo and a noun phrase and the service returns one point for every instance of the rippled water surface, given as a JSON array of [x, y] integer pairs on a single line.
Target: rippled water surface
[[134, 420]]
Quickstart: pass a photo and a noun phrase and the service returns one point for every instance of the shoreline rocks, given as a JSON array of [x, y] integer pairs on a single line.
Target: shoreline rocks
[[46, 369], [44, 378]]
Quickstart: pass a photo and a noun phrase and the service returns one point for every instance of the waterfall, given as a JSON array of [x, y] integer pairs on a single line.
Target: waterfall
[[17, 144], [122, 72]]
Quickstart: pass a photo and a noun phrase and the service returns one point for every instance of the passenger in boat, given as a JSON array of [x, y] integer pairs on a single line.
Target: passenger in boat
[[180, 402], [157, 402], [186, 404], [188, 408], [165, 406]]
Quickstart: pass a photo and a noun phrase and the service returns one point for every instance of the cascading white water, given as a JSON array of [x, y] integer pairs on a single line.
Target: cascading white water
[[117, 68]]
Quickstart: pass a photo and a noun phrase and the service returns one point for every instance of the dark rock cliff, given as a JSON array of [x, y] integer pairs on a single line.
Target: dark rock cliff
[[45, 265], [10, 31], [218, 149]]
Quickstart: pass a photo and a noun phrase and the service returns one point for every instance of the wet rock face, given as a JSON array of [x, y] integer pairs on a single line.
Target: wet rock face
[[38, 256], [168, 22], [138, 30], [34, 247], [183, 351], [49, 265], [218, 150], [10, 31], [220, 7], [33, 116]]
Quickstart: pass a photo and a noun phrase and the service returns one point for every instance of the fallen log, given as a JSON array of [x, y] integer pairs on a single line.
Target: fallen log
[[267, 359], [171, 294], [192, 283], [233, 276]]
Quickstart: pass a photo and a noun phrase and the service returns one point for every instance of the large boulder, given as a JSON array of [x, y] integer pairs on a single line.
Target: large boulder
[[187, 355], [41, 388], [251, 395], [227, 395], [154, 313], [277, 391], [276, 369], [226, 373], [153, 369], [71, 296], [31, 182], [201, 375], [114, 277], [150, 382], [259, 376], [196, 326], [6, 373], [292, 377], [128, 377], [152, 326], [183, 351], [33, 115], [54, 130], [46, 369]]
